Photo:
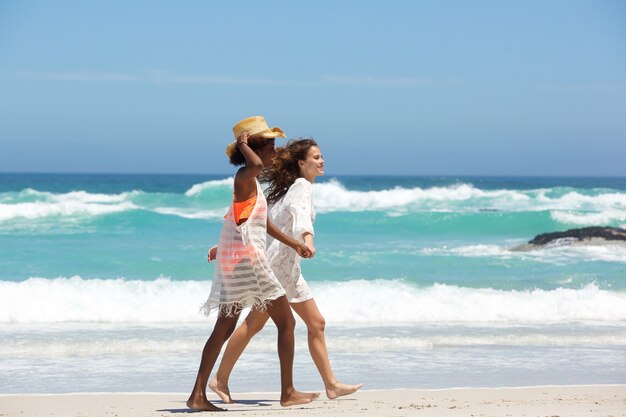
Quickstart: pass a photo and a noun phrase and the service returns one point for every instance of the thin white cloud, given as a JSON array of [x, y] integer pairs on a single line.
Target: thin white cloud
[[168, 77]]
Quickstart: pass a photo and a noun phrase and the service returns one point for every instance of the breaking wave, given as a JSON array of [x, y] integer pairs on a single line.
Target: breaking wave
[[378, 302]]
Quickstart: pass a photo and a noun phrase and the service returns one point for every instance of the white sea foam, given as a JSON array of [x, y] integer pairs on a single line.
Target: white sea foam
[[589, 219], [578, 209], [470, 251], [550, 254], [209, 185], [74, 299], [79, 196], [394, 301], [577, 201], [66, 208], [608, 253], [572, 207], [79, 348], [148, 341], [332, 196], [62, 300], [76, 203], [192, 213], [83, 205]]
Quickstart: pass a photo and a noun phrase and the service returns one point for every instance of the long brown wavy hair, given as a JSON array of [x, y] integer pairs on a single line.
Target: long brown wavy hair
[[285, 170]]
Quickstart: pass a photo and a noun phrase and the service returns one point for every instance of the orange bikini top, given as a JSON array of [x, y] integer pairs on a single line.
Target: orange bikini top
[[243, 209]]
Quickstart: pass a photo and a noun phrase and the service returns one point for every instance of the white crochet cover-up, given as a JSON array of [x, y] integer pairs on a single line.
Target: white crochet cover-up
[[294, 215], [243, 277]]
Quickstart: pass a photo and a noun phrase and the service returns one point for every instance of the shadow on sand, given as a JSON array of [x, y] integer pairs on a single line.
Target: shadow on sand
[[260, 403]]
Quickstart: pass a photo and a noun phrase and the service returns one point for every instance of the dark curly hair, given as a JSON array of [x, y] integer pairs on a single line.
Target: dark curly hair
[[285, 169], [254, 143]]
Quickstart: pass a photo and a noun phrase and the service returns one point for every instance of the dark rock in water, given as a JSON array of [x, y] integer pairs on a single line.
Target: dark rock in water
[[583, 236], [606, 233]]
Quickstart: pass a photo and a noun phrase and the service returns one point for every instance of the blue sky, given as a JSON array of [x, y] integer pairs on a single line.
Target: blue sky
[[394, 87]]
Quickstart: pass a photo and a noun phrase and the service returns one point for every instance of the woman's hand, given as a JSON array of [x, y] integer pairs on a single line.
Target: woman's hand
[[300, 248], [243, 138], [212, 254], [303, 250], [308, 241]]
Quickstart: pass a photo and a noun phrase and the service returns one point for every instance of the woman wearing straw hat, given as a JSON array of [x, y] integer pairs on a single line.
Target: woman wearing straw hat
[[243, 277], [291, 180]]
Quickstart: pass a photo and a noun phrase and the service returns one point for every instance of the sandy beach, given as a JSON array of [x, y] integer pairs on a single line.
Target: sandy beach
[[562, 401]]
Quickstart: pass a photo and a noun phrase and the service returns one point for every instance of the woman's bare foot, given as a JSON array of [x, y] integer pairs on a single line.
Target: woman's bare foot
[[222, 391], [201, 404], [340, 389], [298, 398]]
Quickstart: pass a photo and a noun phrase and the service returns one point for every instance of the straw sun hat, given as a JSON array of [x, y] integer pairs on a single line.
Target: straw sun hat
[[257, 127]]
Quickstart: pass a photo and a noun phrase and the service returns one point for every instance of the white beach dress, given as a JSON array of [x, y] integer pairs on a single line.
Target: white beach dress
[[294, 215], [243, 277]]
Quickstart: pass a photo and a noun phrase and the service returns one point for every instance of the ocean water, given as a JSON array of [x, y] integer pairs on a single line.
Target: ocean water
[[102, 277]]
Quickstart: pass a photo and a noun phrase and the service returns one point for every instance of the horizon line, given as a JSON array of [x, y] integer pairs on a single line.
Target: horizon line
[[623, 176]]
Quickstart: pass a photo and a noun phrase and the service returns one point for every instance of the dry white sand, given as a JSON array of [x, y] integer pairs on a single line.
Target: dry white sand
[[562, 401]]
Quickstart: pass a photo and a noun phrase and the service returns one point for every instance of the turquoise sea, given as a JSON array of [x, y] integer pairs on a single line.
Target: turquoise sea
[[102, 277]]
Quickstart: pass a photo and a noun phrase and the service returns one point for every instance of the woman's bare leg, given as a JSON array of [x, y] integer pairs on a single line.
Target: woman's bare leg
[[280, 312], [253, 324], [315, 324], [224, 327]]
